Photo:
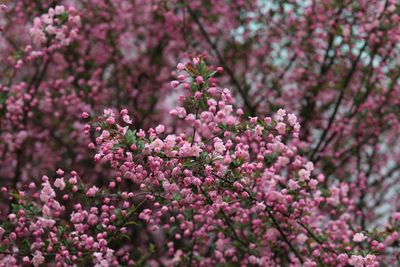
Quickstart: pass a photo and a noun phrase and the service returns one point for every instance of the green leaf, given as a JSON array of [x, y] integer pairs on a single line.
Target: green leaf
[[3, 248], [131, 223], [152, 248], [176, 197], [3, 98], [210, 74], [130, 137], [63, 17], [194, 189], [125, 236], [203, 68]]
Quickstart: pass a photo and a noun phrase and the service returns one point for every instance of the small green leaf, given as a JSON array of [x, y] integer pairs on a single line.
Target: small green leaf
[[130, 137], [194, 189], [63, 17], [131, 223]]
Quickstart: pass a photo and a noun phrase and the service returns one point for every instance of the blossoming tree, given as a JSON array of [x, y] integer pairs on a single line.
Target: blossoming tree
[[112, 156]]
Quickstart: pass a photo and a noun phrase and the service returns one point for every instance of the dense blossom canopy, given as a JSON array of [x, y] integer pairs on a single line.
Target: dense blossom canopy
[[199, 133]]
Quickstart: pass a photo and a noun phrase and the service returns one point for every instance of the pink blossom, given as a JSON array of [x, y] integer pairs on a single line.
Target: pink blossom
[[292, 119], [59, 183], [199, 80], [304, 175], [47, 192], [127, 119], [356, 260], [174, 84], [37, 259], [59, 10], [359, 237], [181, 66], [281, 128], [370, 260], [92, 191], [160, 129], [3, 8]]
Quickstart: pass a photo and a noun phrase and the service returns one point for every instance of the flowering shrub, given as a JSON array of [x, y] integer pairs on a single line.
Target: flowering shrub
[[111, 157]]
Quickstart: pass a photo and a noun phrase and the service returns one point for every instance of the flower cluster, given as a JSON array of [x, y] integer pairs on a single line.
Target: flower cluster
[[225, 190], [296, 164], [54, 224], [58, 27]]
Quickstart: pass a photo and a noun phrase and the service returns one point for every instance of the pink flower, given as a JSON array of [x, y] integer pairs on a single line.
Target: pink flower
[[359, 237], [281, 113], [174, 84], [370, 259], [304, 175], [199, 80], [196, 61], [181, 112], [127, 119], [59, 10], [293, 185], [59, 183], [26, 260], [238, 186], [342, 258], [188, 150], [219, 145], [47, 192], [38, 36], [292, 119], [396, 216], [356, 260], [301, 238], [92, 191], [3, 8], [160, 129], [37, 259], [92, 219], [60, 172], [281, 128], [181, 66]]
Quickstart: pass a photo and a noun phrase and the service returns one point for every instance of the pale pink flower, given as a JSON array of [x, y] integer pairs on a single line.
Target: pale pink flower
[[293, 185], [59, 10], [47, 192], [59, 183], [359, 237], [37, 259], [370, 259], [292, 119], [92, 191], [356, 260], [174, 84], [281, 128], [160, 129], [127, 119], [181, 66], [301, 238], [304, 175]]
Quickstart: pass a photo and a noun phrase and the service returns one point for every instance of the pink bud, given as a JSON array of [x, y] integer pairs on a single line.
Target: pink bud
[[174, 84], [199, 80], [181, 66], [160, 129]]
